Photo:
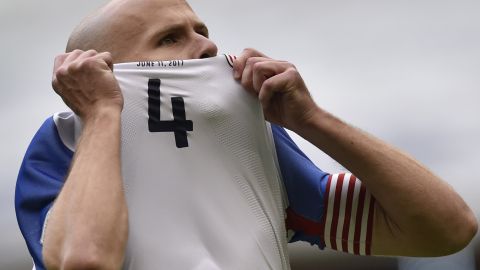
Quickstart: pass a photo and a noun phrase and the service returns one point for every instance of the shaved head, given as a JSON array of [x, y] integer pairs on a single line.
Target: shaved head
[[86, 36], [100, 29], [134, 30], [91, 33]]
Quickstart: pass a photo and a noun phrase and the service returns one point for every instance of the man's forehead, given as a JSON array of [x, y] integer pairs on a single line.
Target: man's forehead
[[145, 13]]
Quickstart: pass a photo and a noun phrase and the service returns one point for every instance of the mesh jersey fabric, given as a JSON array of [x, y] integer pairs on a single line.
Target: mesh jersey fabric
[[184, 120], [215, 203], [214, 186]]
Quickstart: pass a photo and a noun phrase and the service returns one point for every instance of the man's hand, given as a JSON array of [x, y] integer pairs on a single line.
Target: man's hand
[[86, 83], [279, 87]]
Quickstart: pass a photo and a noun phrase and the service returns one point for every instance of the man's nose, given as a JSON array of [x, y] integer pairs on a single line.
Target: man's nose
[[205, 48]]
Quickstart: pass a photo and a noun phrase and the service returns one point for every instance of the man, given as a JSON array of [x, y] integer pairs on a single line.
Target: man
[[415, 213]]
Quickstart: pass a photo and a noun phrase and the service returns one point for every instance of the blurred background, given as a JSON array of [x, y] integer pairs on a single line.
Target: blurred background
[[405, 71]]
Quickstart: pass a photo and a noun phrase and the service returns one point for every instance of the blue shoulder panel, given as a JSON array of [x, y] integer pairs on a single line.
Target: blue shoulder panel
[[305, 183], [39, 181]]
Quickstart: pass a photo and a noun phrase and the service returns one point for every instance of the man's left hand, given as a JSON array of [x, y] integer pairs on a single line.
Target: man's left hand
[[279, 87]]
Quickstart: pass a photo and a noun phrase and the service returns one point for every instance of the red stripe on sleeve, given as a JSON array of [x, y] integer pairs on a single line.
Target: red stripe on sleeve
[[358, 223], [348, 210], [336, 210], [368, 241], [298, 223]]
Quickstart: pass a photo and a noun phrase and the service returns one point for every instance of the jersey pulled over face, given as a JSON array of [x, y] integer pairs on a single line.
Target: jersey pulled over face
[[201, 182], [201, 176]]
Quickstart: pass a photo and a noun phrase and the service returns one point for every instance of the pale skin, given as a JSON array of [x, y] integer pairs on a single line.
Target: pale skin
[[417, 214]]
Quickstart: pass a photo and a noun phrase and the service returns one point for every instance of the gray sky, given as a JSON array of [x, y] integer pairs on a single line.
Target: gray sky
[[406, 71]]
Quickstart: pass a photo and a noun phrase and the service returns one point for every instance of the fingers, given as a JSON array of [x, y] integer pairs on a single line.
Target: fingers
[[84, 79], [265, 77], [77, 55], [59, 75], [278, 86], [63, 67], [77, 61], [250, 72], [241, 61], [90, 60], [107, 58], [281, 83], [263, 70], [259, 69], [59, 60]]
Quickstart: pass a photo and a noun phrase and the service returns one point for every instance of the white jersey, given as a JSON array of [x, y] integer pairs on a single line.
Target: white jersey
[[199, 166]]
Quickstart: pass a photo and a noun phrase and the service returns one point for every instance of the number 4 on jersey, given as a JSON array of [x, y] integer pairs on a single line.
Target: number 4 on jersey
[[179, 125]]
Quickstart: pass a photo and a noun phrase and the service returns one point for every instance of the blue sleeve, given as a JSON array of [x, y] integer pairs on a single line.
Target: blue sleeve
[[305, 184], [39, 181]]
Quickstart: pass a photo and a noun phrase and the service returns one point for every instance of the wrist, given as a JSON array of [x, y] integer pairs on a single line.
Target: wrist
[[102, 114], [320, 128], [312, 117]]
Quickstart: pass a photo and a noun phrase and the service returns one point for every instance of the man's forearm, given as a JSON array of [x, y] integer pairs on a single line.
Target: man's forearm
[[418, 206], [416, 214], [88, 224]]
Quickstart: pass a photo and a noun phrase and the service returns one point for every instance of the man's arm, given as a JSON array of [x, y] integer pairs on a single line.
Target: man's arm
[[416, 214], [88, 224]]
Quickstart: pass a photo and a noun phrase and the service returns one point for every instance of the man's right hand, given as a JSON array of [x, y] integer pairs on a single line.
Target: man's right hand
[[86, 82]]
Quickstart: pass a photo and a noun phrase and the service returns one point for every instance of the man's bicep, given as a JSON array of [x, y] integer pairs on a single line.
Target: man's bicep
[[350, 221], [343, 216], [331, 210], [354, 222]]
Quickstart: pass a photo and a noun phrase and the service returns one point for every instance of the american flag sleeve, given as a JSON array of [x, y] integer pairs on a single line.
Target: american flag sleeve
[[347, 221]]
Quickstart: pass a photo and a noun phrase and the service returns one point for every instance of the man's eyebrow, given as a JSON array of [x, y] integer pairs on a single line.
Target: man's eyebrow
[[199, 27]]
